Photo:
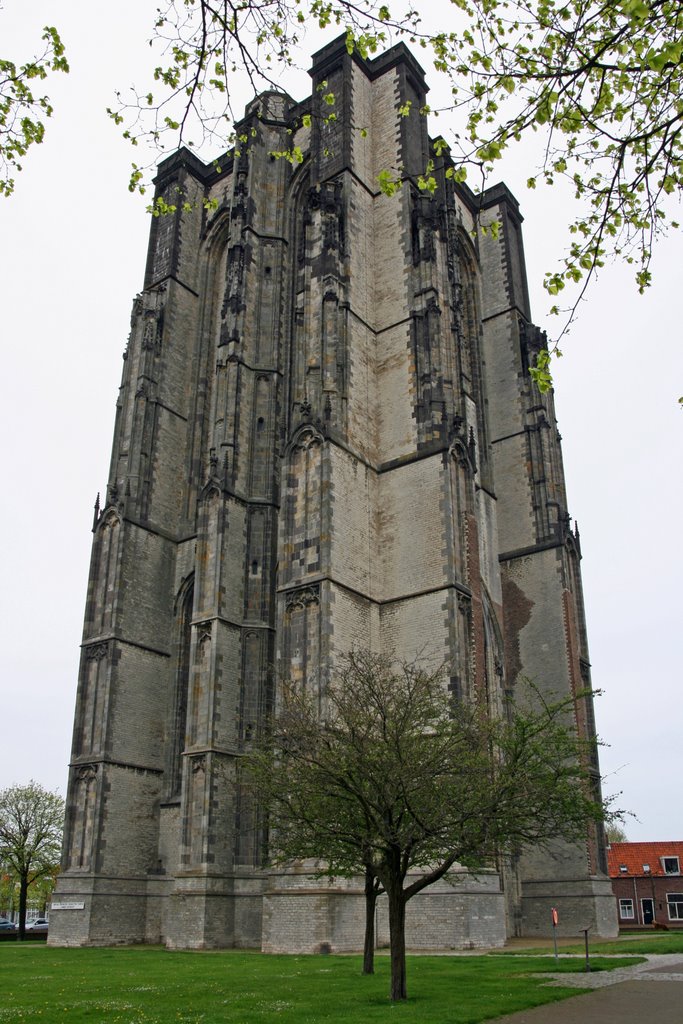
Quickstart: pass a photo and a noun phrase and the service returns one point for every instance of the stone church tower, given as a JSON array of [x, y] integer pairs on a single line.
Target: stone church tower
[[326, 436]]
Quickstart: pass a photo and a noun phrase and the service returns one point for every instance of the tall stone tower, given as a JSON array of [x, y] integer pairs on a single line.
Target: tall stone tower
[[326, 437]]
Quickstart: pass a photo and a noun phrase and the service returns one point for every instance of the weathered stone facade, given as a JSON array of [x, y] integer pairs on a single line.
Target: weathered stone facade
[[326, 436]]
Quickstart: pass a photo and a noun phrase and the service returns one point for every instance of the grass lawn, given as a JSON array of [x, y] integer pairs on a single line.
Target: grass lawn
[[143, 985], [628, 944]]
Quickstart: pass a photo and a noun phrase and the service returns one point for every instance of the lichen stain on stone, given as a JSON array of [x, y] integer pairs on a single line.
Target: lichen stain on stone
[[517, 615]]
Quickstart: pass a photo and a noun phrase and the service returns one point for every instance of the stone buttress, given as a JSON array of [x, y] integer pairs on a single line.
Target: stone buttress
[[539, 554]]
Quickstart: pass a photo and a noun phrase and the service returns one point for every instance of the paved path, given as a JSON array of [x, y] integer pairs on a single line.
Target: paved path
[[649, 993]]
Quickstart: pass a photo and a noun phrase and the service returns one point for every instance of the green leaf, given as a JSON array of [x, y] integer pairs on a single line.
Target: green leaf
[[387, 183], [427, 183]]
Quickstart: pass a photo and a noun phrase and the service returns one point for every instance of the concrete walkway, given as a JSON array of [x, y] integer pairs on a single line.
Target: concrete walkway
[[649, 992]]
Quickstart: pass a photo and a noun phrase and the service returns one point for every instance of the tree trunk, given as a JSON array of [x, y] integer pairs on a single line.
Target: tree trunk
[[371, 887], [23, 891], [397, 939]]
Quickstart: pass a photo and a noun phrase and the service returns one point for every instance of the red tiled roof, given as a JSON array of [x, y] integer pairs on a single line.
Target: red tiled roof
[[634, 855]]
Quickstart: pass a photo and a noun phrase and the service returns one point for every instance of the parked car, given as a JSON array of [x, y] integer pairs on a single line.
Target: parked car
[[6, 926], [38, 924]]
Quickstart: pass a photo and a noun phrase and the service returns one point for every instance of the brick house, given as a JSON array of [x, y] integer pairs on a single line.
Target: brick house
[[647, 883]]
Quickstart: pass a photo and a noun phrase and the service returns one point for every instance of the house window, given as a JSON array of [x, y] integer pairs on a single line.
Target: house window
[[675, 904], [670, 865], [623, 869], [646, 869], [626, 910]]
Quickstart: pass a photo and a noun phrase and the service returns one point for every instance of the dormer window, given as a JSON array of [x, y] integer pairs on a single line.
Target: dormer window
[[623, 869], [670, 865], [646, 869]]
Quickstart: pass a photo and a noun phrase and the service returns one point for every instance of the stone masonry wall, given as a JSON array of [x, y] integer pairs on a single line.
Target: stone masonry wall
[[325, 437]]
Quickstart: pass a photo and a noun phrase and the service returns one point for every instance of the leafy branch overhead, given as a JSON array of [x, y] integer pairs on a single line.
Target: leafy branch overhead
[[22, 110], [601, 81], [598, 82]]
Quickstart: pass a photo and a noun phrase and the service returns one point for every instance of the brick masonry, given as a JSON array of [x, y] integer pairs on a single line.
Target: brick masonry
[[326, 436]]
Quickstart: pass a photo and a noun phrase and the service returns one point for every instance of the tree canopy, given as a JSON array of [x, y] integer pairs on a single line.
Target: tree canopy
[[396, 780], [599, 82], [31, 826]]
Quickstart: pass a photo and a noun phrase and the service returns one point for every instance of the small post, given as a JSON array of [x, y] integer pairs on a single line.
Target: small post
[[554, 918], [585, 936]]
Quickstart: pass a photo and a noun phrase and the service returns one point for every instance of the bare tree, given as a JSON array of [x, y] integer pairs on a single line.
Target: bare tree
[[614, 833], [399, 782]]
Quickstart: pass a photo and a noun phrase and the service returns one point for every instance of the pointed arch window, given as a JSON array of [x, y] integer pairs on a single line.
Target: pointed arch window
[[179, 717]]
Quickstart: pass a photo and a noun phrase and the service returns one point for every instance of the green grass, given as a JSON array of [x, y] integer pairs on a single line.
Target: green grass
[[660, 942], [144, 985], [631, 943]]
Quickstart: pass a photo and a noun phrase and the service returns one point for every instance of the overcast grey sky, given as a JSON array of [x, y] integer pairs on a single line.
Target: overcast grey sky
[[72, 259]]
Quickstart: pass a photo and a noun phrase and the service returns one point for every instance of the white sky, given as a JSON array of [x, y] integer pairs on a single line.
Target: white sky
[[72, 256]]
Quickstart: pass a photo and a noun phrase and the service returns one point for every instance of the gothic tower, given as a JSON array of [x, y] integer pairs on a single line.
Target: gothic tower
[[326, 436]]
